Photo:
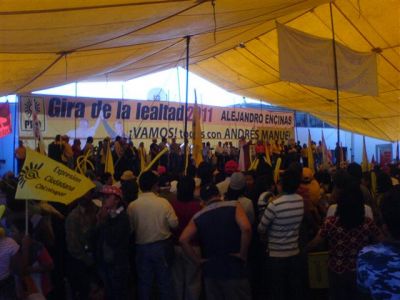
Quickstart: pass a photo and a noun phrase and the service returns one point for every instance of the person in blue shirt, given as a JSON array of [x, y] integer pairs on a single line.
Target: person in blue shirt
[[224, 233]]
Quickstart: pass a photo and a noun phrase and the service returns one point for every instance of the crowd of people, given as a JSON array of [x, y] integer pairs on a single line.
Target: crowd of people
[[127, 156], [217, 231]]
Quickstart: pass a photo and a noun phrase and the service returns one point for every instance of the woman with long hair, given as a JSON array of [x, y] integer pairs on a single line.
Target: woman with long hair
[[347, 232]]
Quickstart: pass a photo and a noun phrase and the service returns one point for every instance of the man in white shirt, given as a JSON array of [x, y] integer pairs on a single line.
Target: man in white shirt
[[152, 219]]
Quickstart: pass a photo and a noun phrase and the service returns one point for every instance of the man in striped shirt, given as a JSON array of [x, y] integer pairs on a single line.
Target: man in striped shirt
[[280, 223]]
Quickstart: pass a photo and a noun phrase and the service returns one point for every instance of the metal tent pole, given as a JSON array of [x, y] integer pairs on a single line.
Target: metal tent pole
[[336, 75], [16, 108], [186, 136], [76, 95]]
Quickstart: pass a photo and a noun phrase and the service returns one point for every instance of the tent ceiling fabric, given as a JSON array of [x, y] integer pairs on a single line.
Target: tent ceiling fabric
[[48, 43]]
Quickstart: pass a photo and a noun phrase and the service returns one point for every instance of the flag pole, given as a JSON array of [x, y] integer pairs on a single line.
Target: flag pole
[[123, 98], [26, 217], [186, 136], [336, 74], [76, 95], [16, 107]]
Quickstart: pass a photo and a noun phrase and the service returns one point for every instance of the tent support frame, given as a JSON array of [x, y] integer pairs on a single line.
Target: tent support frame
[[186, 136], [336, 76]]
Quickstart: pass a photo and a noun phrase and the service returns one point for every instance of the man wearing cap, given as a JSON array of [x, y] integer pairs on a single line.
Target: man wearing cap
[[224, 233], [152, 218], [236, 192], [129, 187], [112, 239], [231, 167], [309, 189]]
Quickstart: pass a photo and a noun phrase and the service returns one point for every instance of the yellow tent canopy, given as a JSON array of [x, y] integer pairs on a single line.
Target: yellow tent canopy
[[233, 44]]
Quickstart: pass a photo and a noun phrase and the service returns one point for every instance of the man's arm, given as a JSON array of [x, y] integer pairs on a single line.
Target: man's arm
[[267, 218], [171, 216], [131, 215], [317, 240], [187, 235], [244, 224]]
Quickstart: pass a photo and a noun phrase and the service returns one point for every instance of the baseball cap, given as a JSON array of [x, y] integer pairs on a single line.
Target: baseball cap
[[161, 170], [127, 175], [238, 181], [111, 190]]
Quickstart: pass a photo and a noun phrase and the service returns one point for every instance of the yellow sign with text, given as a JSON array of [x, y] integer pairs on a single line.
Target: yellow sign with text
[[42, 178]]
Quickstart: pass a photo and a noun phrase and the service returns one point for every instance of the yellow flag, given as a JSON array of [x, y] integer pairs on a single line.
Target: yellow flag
[[310, 155], [372, 163], [267, 156], [2, 210], [254, 165], [277, 170], [155, 159], [83, 162], [142, 158], [109, 164], [196, 131], [364, 163], [42, 178]]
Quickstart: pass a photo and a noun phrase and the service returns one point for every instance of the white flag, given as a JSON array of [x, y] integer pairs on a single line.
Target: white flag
[[307, 59]]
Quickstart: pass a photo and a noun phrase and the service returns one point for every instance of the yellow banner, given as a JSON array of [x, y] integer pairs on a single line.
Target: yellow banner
[[80, 118], [42, 178]]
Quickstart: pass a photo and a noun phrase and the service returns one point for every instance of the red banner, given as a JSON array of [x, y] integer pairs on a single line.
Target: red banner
[[5, 119]]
